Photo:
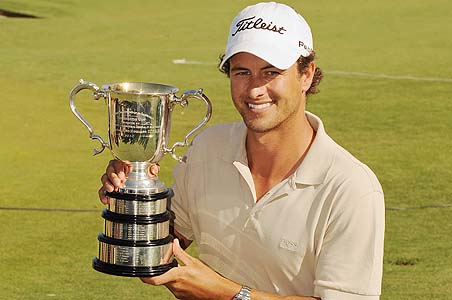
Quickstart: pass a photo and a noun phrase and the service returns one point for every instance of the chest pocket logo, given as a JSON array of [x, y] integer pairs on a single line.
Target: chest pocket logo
[[288, 244]]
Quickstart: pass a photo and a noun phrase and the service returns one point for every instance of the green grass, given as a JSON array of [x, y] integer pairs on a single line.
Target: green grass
[[401, 128]]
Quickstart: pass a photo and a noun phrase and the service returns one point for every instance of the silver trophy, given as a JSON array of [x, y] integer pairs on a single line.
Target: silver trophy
[[136, 241]]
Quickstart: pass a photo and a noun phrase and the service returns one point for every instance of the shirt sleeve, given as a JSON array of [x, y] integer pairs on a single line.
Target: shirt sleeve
[[350, 262]]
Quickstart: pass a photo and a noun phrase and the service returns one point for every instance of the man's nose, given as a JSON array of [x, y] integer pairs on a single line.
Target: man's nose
[[257, 87]]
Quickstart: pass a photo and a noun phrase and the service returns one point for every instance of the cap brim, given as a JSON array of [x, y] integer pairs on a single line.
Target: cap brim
[[281, 58]]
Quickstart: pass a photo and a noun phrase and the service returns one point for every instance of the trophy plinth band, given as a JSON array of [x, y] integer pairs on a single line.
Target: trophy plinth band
[[134, 259]]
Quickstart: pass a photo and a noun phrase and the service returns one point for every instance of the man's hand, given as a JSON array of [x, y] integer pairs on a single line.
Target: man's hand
[[193, 279], [116, 174]]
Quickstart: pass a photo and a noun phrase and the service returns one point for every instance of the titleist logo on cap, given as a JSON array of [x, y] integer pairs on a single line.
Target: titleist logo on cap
[[250, 23]]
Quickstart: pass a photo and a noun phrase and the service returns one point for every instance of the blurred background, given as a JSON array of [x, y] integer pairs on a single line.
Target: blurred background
[[386, 97]]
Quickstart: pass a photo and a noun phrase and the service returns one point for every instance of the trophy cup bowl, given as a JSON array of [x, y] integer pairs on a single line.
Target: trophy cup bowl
[[136, 241]]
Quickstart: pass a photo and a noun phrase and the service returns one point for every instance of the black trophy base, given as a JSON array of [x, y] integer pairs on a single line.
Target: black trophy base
[[126, 271]]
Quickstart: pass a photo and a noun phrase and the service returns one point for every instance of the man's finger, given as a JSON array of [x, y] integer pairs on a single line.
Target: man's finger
[[106, 184], [180, 254], [168, 255], [154, 169], [165, 278], [113, 176], [103, 198], [122, 168]]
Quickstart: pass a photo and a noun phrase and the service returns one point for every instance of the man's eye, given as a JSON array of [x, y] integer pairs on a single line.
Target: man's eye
[[241, 73], [272, 73]]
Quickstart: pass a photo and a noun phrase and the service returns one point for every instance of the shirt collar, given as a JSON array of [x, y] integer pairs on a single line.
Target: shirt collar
[[240, 155], [314, 167]]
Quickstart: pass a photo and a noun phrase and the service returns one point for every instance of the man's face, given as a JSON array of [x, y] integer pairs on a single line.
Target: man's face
[[265, 96]]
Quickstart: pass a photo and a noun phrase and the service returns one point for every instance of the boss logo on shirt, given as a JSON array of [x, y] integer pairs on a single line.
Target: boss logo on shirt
[[288, 244]]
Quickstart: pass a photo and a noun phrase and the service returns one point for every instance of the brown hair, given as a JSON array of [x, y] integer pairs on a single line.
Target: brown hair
[[303, 63]]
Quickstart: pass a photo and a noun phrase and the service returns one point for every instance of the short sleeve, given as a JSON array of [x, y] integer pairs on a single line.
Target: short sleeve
[[350, 263]]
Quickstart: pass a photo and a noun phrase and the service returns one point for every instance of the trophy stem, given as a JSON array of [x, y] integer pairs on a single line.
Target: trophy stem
[[140, 181]]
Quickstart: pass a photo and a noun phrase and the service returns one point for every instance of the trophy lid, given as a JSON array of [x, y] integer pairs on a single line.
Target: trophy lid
[[144, 88]]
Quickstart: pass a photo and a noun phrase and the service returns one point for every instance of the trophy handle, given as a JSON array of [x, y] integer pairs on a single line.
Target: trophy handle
[[183, 101], [85, 85]]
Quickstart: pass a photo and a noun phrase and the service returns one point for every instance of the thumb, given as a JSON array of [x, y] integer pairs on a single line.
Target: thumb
[[154, 170], [180, 254]]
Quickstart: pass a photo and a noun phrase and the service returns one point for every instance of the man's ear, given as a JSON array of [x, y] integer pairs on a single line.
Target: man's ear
[[307, 76]]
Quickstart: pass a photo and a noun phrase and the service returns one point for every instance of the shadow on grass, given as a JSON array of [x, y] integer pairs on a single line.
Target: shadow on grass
[[11, 14]]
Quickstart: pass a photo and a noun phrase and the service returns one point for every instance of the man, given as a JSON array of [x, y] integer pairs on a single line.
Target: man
[[276, 207]]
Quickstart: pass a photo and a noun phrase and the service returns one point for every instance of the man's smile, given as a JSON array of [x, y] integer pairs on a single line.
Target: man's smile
[[259, 106]]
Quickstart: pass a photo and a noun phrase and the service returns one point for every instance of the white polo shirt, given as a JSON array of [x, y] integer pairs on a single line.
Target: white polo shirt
[[318, 233]]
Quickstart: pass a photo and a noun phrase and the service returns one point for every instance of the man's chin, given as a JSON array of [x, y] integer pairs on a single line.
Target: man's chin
[[259, 126]]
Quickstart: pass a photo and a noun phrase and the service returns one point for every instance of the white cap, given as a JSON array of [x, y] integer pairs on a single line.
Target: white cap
[[272, 31]]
